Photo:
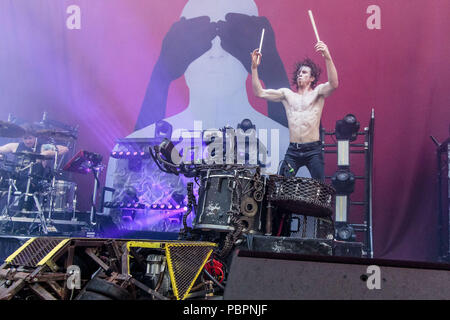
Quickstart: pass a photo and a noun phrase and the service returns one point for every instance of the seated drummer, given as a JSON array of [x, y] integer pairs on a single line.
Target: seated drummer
[[41, 169], [303, 109], [29, 143]]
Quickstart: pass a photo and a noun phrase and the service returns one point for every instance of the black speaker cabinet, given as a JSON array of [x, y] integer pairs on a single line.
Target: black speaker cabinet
[[271, 276]]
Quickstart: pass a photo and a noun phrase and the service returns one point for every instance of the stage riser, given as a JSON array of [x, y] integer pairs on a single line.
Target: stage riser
[[274, 279]]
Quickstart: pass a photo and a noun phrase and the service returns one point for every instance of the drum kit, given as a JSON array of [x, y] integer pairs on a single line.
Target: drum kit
[[31, 188], [236, 200], [255, 200]]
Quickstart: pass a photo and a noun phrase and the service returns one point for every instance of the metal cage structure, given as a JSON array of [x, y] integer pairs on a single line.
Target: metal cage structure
[[343, 147]]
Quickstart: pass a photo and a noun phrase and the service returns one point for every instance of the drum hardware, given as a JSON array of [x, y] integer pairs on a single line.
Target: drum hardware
[[222, 190], [33, 156], [12, 185], [55, 168], [226, 203], [56, 194], [25, 195], [63, 196], [85, 162], [39, 213], [74, 205]]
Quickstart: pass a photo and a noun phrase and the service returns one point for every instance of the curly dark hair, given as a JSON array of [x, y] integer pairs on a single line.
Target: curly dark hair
[[315, 71]]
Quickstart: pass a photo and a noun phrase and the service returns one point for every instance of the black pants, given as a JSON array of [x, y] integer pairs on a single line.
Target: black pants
[[304, 154]]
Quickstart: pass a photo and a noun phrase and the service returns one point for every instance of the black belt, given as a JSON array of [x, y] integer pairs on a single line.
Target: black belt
[[307, 145]]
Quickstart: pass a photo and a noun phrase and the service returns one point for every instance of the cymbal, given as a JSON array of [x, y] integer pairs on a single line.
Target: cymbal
[[11, 130], [55, 134], [33, 155]]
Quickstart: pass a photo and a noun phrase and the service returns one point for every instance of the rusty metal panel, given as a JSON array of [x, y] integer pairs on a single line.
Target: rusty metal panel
[[35, 251]]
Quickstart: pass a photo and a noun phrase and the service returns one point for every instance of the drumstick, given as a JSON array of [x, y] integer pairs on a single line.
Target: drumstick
[[313, 24], [260, 44]]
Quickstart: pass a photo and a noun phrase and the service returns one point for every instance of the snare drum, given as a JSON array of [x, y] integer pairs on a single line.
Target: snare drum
[[63, 196], [215, 200]]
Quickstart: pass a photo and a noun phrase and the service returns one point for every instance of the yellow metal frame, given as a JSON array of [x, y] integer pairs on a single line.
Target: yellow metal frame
[[46, 259], [16, 253], [169, 263], [166, 245], [141, 244], [162, 245]]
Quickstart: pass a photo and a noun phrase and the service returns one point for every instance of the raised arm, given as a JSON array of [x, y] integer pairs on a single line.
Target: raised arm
[[275, 95], [327, 88], [8, 148]]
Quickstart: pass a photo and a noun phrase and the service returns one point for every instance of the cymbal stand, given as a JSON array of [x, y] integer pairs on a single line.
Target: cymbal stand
[[74, 205], [55, 168], [12, 184], [43, 223], [40, 212], [30, 171], [27, 194]]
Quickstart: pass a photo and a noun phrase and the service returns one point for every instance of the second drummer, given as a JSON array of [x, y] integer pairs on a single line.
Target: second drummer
[[303, 109], [29, 143]]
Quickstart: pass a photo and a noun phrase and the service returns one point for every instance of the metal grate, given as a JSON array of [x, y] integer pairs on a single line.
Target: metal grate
[[301, 195], [186, 261], [34, 252]]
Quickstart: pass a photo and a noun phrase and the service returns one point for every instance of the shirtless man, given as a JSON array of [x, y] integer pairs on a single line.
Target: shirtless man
[[303, 110]]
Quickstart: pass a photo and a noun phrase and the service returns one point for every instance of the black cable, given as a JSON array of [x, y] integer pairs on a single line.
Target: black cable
[[157, 162], [214, 279]]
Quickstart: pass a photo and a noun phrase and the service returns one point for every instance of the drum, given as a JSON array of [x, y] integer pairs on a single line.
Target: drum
[[299, 195], [218, 189], [63, 196]]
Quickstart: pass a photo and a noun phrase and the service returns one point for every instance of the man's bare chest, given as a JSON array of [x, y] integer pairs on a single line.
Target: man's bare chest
[[305, 103]]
